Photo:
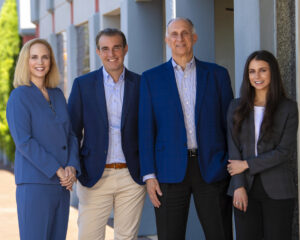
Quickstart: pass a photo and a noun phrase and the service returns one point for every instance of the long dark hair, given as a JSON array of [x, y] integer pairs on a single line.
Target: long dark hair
[[247, 93]]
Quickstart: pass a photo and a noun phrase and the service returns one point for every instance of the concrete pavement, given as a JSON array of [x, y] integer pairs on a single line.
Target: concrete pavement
[[9, 229], [8, 211]]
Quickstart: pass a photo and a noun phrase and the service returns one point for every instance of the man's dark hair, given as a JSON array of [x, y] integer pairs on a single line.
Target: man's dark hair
[[111, 32]]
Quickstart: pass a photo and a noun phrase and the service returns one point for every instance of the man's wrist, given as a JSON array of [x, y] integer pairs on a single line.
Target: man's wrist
[[149, 176]]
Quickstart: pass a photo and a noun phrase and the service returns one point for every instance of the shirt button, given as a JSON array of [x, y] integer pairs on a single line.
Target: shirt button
[[64, 147]]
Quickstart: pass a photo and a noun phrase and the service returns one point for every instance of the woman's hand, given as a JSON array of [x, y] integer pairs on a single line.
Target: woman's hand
[[61, 173], [236, 166], [71, 173], [70, 178], [240, 199], [67, 177]]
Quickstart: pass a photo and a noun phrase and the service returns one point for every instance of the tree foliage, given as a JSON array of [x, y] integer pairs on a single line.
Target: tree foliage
[[9, 50]]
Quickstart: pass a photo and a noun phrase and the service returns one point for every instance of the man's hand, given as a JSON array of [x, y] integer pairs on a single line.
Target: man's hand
[[153, 189], [240, 199], [236, 166]]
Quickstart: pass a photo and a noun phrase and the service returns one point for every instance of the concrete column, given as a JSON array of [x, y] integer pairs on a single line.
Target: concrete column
[[94, 28], [71, 56], [145, 36], [268, 29], [170, 12], [53, 42], [254, 29], [246, 35], [201, 12], [35, 10]]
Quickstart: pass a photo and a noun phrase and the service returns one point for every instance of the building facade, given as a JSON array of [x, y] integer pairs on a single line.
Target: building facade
[[228, 31]]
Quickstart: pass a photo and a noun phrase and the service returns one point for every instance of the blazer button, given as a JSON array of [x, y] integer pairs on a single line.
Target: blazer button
[[64, 147], [104, 152]]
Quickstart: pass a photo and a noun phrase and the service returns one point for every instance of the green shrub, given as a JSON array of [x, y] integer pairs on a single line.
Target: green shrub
[[9, 50]]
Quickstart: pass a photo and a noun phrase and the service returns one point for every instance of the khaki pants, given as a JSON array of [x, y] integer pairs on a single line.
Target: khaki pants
[[115, 190]]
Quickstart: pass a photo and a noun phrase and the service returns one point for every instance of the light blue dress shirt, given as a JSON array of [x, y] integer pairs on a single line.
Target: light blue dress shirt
[[186, 85], [114, 93]]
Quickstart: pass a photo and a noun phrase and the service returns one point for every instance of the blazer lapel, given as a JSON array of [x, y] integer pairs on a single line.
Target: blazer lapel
[[100, 96], [201, 79], [128, 94], [169, 77], [251, 132]]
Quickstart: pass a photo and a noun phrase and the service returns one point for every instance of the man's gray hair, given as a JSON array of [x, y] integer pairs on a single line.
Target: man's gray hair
[[189, 21]]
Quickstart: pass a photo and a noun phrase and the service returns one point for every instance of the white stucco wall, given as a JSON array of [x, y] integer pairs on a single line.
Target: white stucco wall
[[62, 16], [107, 7], [83, 10]]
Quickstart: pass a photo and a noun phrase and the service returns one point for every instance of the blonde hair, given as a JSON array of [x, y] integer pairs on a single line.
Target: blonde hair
[[22, 73]]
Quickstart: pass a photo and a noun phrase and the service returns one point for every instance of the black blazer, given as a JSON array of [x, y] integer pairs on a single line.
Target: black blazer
[[273, 153], [87, 108]]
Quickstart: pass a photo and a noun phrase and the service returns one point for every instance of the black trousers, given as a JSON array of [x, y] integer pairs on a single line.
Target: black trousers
[[265, 218], [212, 204]]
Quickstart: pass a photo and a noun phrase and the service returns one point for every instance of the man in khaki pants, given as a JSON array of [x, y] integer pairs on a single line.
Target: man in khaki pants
[[104, 105]]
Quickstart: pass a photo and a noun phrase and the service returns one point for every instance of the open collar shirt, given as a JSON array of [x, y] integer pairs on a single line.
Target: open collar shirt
[[186, 85], [114, 93]]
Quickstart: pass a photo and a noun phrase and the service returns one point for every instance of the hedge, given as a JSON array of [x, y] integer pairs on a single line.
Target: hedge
[[9, 50]]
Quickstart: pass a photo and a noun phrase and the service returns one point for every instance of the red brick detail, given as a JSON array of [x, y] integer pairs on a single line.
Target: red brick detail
[[37, 30], [27, 38], [96, 6], [53, 22]]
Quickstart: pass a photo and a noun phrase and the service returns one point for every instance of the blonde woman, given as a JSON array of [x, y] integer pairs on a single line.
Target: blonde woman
[[46, 157]]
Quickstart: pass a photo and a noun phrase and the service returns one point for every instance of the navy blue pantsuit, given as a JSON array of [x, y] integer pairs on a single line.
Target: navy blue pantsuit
[[43, 211], [44, 143]]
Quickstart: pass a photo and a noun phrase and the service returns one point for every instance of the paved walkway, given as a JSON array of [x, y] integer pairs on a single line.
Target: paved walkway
[[8, 211]]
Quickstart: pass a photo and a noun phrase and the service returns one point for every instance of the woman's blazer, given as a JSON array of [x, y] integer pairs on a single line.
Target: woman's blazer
[[273, 152], [43, 136]]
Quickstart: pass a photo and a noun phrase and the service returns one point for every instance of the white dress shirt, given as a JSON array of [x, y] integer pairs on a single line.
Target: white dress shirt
[[114, 93], [258, 118]]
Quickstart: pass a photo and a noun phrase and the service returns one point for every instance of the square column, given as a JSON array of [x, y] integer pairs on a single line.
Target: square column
[[94, 28], [71, 56]]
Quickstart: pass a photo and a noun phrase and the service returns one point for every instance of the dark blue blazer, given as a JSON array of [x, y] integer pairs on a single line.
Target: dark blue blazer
[[44, 139], [87, 108], [162, 133]]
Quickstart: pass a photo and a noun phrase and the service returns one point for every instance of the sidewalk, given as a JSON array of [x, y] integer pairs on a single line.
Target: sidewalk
[[8, 211]]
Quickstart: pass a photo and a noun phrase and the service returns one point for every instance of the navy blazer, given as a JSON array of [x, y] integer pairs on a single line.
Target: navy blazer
[[274, 152], [43, 138], [162, 133], [87, 108]]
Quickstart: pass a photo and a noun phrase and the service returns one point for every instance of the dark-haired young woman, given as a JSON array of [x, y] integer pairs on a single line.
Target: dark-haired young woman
[[262, 134]]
